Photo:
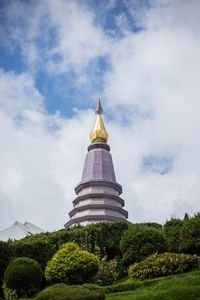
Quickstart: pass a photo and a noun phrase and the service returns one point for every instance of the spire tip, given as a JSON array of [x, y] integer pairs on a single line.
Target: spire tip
[[99, 109]]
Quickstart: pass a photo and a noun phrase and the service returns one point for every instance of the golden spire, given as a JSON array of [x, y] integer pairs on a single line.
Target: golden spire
[[99, 133]]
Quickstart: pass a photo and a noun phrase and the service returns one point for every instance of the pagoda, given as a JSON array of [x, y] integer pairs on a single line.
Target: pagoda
[[98, 192]]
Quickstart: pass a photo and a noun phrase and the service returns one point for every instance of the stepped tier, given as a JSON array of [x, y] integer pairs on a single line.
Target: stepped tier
[[98, 192]]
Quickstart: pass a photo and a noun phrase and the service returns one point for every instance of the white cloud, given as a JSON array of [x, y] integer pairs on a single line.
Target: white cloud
[[79, 39], [156, 71], [152, 89], [38, 168]]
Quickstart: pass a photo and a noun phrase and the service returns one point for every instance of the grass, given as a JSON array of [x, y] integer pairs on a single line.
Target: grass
[[179, 287]]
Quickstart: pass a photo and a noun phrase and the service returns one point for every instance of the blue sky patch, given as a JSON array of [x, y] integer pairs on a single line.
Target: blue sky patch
[[157, 164]]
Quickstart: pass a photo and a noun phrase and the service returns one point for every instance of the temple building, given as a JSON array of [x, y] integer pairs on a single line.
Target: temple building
[[98, 192]]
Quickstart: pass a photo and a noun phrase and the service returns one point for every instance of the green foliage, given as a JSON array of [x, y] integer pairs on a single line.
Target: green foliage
[[183, 235], [179, 287], [158, 265], [190, 235], [62, 291], [139, 241], [24, 276], [153, 225], [36, 247], [172, 230], [130, 285], [111, 234], [72, 265], [5, 255], [43, 246], [107, 273]]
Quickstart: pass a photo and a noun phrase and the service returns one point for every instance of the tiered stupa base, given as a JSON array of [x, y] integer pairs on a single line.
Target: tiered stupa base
[[98, 193]]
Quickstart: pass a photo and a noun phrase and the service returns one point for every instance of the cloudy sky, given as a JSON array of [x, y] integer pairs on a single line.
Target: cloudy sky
[[56, 58]]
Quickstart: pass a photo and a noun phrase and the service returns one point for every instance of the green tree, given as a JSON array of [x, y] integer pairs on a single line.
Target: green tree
[[139, 241], [172, 230], [190, 235]]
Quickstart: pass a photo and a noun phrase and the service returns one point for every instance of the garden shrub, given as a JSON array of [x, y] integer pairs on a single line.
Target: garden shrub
[[72, 265], [139, 241], [23, 276], [158, 265], [107, 273], [61, 291]]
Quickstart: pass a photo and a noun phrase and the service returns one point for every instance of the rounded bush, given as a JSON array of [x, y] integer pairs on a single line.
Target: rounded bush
[[61, 291], [140, 241], [24, 276], [72, 265], [159, 265]]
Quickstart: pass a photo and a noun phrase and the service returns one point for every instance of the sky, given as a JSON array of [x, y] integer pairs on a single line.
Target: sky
[[142, 58]]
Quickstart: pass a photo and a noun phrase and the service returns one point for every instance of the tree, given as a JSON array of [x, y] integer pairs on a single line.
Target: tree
[[172, 230], [139, 241], [190, 235]]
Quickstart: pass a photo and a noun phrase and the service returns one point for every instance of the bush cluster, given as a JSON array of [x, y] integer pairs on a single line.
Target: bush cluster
[[23, 277], [72, 265], [139, 241], [107, 273], [158, 265], [61, 291]]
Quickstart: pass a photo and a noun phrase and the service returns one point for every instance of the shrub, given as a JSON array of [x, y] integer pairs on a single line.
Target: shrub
[[139, 241], [158, 265], [72, 265], [61, 291], [24, 276], [107, 272]]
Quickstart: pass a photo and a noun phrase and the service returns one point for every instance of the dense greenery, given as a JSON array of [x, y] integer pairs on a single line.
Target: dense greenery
[[126, 243], [182, 287], [62, 291], [158, 265], [139, 241], [24, 276], [172, 230], [183, 235], [43, 246], [72, 265], [5, 255]]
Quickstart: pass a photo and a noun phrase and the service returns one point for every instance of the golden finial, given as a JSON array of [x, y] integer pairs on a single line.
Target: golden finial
[[99, 133]]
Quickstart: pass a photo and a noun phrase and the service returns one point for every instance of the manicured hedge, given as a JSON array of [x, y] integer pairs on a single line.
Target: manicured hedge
[[24, 276], [62, 291]]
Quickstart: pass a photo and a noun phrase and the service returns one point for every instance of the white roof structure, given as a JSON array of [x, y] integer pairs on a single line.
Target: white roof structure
[[18, 231]]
